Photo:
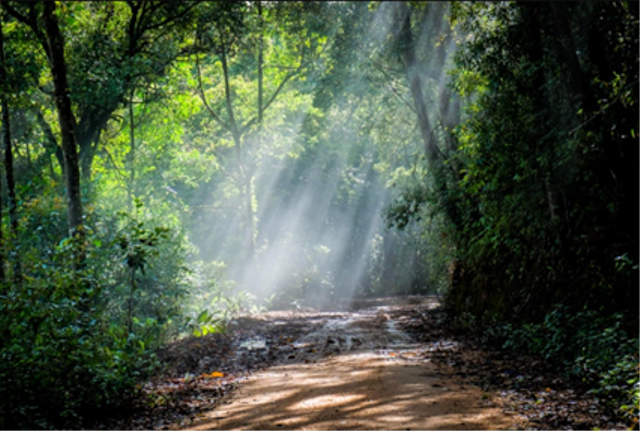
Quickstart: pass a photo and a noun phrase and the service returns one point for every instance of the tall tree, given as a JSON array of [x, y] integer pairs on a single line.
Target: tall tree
[[407, 50], [55, 54], [7, 148], [145, 38], [226, 31]]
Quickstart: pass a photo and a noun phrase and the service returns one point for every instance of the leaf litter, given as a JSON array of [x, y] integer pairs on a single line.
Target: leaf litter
[[200, 373], [528, 388]]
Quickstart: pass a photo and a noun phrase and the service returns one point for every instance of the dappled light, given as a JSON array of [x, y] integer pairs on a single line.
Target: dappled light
[[385, 382], [345, 401]]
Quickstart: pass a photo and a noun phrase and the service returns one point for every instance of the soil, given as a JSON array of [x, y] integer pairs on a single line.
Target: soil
[[356, 370], [388, 363]]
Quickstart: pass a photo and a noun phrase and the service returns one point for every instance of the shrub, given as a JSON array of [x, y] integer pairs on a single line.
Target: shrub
[[586, 345], [76, 341]]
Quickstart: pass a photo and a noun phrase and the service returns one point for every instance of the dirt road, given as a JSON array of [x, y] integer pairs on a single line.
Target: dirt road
[[355, 370]]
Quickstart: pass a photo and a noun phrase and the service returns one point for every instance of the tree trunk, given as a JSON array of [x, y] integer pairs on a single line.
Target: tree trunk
[[87, 133], [574, 73], [8, 154], [408, 56], [58, 66], [132, 156], [260, 71], [51, 144], [246, 177]]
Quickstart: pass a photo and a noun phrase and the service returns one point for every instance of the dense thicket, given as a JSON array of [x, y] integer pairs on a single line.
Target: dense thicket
[[540, 189], [546, 205]]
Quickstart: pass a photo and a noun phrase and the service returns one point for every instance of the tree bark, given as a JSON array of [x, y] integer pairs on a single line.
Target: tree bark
[[132, 155], [55, 43], [408, 56], [8, 153], [246, 177]]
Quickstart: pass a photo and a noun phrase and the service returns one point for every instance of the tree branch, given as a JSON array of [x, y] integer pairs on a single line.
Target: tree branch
[[166, 21], [17, 15], [204, 98], [123, 177], [604, 108], [271, 99], [30, 22], [391, 82]]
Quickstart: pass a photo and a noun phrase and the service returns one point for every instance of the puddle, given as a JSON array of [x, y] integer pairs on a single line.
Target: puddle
[[254, 344], [397, 336]]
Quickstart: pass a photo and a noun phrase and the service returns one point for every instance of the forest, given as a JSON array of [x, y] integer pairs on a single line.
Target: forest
[[168, 167]]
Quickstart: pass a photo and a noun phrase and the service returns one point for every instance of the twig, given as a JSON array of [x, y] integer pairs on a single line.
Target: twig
[[203, 97], [604, 108]]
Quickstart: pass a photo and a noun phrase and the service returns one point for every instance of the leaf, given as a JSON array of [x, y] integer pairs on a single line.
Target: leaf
[[204, 317], [213, 375]]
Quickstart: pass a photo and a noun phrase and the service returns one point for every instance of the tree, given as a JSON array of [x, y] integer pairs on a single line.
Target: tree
[[8, 153], [145, 40], [547, 142], [55, 54], [227, 31]]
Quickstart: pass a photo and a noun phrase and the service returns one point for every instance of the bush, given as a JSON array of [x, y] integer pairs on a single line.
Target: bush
[[586, 345], [77, 339], [213, 302]]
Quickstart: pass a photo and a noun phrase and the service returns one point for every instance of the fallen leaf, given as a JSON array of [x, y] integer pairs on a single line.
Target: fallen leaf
[[213, 375]]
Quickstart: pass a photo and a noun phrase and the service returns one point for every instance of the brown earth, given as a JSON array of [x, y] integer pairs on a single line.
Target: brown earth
[[355, 370], [388, 363]]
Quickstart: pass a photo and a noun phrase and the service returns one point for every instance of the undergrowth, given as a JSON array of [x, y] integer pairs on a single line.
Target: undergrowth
[[585, 345]]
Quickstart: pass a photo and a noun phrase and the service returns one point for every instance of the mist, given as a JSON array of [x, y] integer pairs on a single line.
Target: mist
[[320, 200]]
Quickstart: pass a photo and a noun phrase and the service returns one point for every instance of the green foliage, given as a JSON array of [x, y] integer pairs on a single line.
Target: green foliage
[[214, 302], [585, 344], [77, 341], [61, 356], [78, 334], [146, 276], [620, 387], [545, 170]]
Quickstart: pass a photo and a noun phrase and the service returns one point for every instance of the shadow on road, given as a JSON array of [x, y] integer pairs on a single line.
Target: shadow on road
[[356, 371]]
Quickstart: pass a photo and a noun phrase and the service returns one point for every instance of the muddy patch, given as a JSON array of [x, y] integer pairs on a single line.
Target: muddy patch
[[356, 370]]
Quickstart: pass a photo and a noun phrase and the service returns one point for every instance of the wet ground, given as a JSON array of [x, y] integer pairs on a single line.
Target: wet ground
[[354, 370], [387, 363]]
